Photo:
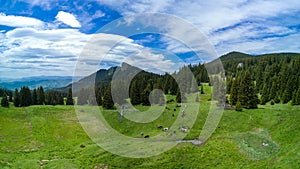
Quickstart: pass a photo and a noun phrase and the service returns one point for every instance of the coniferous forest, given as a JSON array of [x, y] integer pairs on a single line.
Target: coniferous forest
[[250, 80]]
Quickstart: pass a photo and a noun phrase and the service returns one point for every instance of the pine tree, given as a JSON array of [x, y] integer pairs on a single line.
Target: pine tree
[[265, 96], [16, 98], [135, 94], [107, 99], [4, 101], [276, 99], [70, 100], [10, 95], [296, 99], [234, 92], [287, 96], [34, 97], [25, 96], [40, 96], [145, 96], [59, 98], [273, 90], [173, 86], [247, 93], [180, 98], [99, 98]]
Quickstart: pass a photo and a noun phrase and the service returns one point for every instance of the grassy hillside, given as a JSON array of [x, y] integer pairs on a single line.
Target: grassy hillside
[[51, 137]]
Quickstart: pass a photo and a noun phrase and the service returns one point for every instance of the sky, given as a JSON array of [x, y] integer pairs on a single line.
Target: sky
[[55, 37]]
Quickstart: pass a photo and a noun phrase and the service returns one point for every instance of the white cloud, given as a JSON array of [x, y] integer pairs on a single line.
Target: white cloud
[[30, 52], [111, 50], [20, 21], [68, 19], [210, 16]]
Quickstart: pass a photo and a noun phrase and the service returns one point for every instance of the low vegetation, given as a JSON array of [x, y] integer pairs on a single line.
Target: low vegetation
[[45, 136]]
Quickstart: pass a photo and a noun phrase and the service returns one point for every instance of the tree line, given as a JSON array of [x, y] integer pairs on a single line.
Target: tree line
[[250, 80], [26, 97]]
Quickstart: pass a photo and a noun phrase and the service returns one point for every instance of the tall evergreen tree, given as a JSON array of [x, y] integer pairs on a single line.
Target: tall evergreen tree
[[34, 97], [145, 96], [16, 98], [59, 98], [173, 86], [108, 102], [296, 99], [273, 90], [134, 94], [40, 96], [10, 96], [265, 95], [288, 92], [277, 99], [99, 98], [234, 92], [25, 94], [4, 101], [247, 93], [70, 100], [180, 98]]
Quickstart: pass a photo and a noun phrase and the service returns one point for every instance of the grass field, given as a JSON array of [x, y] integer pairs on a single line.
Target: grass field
[[51, 137]]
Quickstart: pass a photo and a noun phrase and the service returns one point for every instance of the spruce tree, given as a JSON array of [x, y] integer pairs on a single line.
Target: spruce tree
[[59, 98], [145, 96], [276, 99], [107, 99], [99, 98], [287, 96], [16, 98], [173, 86], [40, 96], [134, 94], [34, 97], [273, 91], [288, 92], [25, 96], [234, 92], [4, 101], [265, 96], [10, 95], [70, 100], [296, 99], [247, 93], [178, 96]]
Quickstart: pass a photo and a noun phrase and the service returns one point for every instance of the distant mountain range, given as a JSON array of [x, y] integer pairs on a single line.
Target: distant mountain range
[[240, 55], [48, 82]]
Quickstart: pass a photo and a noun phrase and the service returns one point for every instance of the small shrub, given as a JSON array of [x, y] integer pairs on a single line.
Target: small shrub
[[238, 106], [272, 102]]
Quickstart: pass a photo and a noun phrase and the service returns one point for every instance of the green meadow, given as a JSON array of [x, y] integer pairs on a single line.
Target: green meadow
[[52, 137]]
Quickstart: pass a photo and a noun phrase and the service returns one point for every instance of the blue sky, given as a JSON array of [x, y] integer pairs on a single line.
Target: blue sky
[[48, 37]]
